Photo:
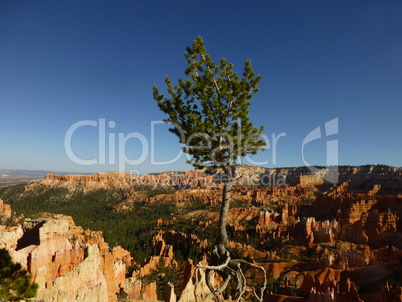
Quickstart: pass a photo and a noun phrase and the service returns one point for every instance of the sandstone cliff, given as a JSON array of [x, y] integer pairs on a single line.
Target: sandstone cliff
[[70, 264]]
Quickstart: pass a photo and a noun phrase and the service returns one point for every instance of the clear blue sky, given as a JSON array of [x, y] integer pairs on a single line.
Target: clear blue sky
[[62, 62]]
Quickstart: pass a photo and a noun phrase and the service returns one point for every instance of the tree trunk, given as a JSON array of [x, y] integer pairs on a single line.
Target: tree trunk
[[227, 186]]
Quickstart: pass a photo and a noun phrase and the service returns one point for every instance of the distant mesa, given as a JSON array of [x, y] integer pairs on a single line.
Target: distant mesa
[[360, 177], [12, 177]]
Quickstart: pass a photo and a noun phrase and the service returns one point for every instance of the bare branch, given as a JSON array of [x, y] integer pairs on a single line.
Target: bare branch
[[216, 267], [214, 80], [242, 282], [218, 292], [262, 289]]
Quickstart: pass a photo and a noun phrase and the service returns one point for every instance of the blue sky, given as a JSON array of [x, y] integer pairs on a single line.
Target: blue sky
[[65, 62]]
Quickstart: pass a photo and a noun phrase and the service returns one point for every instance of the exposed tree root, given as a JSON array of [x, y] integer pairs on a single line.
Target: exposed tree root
[[228, 269]]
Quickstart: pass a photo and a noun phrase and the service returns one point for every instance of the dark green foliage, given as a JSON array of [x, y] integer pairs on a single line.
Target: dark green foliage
[[8, 221], [307, 201], [209, 109], [152, 191], [34, 201], [317, 193], [189, 226], [15, 282], [11, 191], [239, 203]]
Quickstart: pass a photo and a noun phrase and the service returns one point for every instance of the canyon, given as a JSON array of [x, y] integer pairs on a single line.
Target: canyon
[[316, 240]]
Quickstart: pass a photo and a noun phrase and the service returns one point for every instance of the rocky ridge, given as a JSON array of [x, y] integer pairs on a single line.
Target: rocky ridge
[[361, 177]]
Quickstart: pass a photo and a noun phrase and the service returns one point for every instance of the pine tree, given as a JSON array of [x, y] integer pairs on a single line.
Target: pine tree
[[15, 282], [208, 111]]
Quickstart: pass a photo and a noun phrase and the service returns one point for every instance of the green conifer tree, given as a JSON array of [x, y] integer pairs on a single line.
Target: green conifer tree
[[15, 282], [208, 111]]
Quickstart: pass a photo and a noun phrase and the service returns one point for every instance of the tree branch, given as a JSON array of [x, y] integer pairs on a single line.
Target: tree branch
[[213, 78]]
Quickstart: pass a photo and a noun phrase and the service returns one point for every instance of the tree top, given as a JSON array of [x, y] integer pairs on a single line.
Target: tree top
[[208, 110]]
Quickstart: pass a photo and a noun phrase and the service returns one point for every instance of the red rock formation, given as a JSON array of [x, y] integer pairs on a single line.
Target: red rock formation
[[265, 217], [148, 292], [113, 180], [209, 197], [9, 236], [388, 254], [190, 287], [5, 211], [311, 180], [327, 285], [169, 295], [389, 294], [380, 227], [327, 296], [313, 231], [355, 211], [65, 262], [269, 297], [364, 218], [281, 194]]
